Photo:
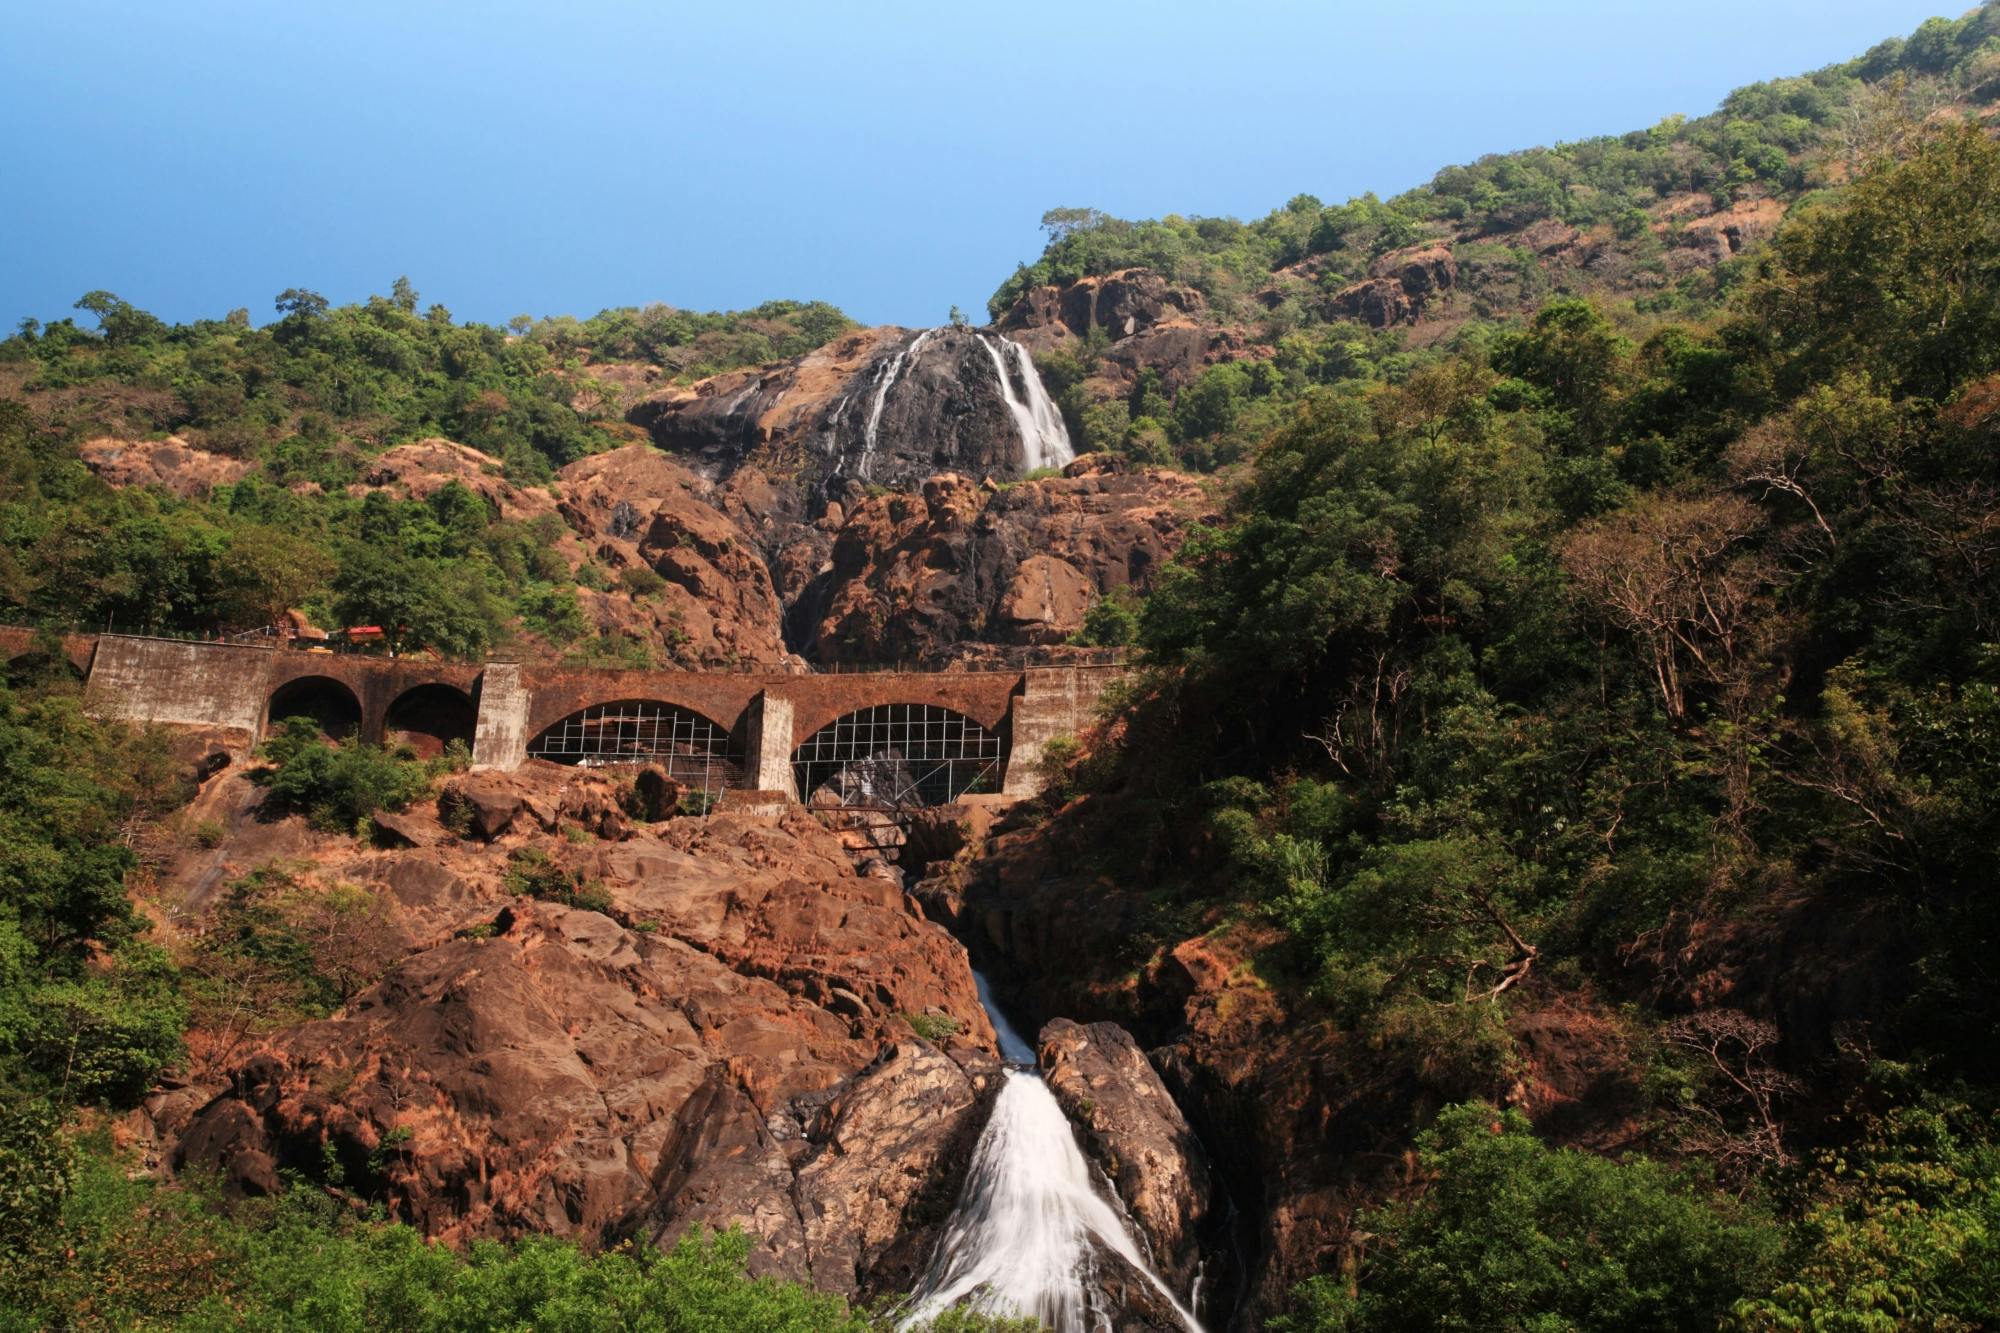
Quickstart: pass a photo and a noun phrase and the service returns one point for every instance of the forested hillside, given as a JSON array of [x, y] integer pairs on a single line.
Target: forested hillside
[[1574, 702], [274, 429], [1545, 846], [1655, 227]]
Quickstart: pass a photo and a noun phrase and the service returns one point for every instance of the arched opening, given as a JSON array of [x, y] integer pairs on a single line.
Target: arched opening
[[690, 747], [325, 700], [36, 667], [429, 717], [897, 757]]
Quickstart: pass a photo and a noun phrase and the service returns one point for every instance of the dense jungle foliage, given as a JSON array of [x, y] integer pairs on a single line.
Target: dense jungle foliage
[[1623, 665], [307, 400], [1625, 201]]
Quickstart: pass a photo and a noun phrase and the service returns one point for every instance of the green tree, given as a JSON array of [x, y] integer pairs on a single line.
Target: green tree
[[1898, 276], [418, 602], [337, 786], [270, 571], [1509, 1234]]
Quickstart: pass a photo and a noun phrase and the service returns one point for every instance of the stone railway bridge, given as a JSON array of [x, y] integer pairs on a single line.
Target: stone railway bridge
[[863, 739]]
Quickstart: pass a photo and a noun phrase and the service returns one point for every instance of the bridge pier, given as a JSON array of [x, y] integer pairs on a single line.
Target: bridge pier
[[767, 757], [500, 736], [1054, 701]]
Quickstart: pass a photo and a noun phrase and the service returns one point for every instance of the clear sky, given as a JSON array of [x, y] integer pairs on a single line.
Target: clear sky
[[894, 158]]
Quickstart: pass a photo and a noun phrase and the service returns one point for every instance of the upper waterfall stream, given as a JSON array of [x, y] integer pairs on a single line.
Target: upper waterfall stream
[[1024, 1236], [1044, 438]]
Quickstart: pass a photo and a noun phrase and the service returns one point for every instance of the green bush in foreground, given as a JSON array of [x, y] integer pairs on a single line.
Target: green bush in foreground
[[88, 1248], [1512, 1234]]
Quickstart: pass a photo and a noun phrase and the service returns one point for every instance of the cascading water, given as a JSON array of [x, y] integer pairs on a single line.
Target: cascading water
[[1044, 438], [887, 377], [1023, 1238]]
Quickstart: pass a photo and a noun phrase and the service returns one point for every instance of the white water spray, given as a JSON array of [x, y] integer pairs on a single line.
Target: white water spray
[[1044, 438], [1023, 1238], [887, 381]]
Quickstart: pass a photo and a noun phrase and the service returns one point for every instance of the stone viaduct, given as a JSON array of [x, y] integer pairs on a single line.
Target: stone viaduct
[[500, 708]]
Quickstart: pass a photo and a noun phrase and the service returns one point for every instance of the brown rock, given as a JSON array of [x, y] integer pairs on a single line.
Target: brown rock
[[1045, 601], [1132, 1127], [403, 830], [655, 795], [171, 464], [489, 802], [636, 507], [740, 1059], [916, 577], [424, 467]]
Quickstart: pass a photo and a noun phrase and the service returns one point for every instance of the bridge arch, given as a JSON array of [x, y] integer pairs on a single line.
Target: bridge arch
[[896, 756], [25, 668], [329, 702], [694, 749], [429, 717]]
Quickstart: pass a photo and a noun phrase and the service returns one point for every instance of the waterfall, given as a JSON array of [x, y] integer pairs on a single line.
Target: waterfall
[[1044, 438], [886, 380], [1021, 1239]]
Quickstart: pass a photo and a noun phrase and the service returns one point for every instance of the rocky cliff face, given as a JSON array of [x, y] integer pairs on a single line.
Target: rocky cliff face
[[1151, 324], [916, 576], [1134, 1131], [724, 1038], [885, 406]]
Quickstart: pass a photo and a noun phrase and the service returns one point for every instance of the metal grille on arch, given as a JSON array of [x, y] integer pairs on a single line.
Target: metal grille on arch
[[897, 757], [691, 748]]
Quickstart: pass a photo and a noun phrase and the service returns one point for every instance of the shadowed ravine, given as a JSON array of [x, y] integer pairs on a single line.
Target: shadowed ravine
[[1024, 1235]]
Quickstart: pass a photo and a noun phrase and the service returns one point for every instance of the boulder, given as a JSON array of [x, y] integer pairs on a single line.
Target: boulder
[[1045, 601], [655, 796], [1133, 1129], [487, 802]]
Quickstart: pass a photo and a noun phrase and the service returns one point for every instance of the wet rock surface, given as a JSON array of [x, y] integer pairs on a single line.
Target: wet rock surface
[[883, 406], [1134, 1131]]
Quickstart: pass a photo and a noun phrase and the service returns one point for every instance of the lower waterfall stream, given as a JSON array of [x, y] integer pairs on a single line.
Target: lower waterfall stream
[[1022, 1238]]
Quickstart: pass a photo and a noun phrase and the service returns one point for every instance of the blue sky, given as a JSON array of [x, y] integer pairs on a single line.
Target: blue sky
[[565, 155]]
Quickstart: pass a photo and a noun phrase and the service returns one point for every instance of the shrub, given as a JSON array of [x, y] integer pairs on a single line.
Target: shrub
[[1904, 1232], [1512, 1234], [105, 1035], [337, 786], [640, 581], [1111, 622], [282, 948], [531, 874], [933, 1027]]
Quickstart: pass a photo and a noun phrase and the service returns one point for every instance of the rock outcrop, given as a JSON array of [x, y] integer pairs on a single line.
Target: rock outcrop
[[1401, 286], [912, 577], [1122, 304], [708, 1025], [171, 464], [713, 602], [1134, 1131], [1152, 324], [882, 406]]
